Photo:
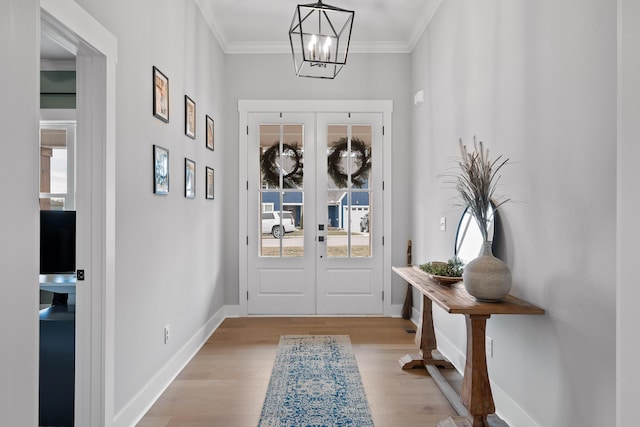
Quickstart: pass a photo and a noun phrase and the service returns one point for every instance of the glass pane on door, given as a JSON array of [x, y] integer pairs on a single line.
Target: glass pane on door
[[281, 191], [348, 201]]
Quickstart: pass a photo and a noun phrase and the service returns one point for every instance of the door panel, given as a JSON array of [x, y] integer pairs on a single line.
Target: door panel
[[280, 281], [281, 259], [347, 281], [349, 177]]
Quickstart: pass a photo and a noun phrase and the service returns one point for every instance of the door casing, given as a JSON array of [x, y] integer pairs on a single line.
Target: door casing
[[385, 107], [96, 56]]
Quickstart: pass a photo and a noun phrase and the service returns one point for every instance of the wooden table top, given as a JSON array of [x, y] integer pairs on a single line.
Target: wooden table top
[[455, 298]]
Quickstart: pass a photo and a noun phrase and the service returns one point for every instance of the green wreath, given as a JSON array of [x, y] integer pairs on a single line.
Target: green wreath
[[271, 171], [363, 160]]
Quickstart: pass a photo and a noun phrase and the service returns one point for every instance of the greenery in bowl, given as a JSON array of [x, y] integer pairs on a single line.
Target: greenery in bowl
[[452, 268]]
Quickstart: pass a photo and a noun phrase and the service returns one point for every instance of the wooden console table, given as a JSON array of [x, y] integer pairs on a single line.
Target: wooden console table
[[476, 389]]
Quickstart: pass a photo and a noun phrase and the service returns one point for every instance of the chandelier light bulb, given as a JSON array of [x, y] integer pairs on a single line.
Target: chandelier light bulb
[[312, 47]]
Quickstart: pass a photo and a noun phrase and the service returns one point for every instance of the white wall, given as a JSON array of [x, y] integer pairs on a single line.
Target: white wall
[[536, 81], [19, 80], [628, 339], [169, 266], [366, 77]]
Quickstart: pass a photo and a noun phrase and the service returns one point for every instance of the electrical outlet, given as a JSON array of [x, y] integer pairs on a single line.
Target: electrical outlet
[[167, 329], [443, 224], [489, 347]]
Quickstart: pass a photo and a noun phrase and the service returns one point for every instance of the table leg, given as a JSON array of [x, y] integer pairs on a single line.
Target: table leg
[[426, 334], [426, 342], [476, 390]]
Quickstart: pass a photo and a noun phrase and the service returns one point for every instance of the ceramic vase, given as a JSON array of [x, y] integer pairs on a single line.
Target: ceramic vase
[[486, 277]]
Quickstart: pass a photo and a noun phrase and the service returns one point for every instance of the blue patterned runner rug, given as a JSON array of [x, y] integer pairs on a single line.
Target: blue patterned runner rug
[[315, 382]]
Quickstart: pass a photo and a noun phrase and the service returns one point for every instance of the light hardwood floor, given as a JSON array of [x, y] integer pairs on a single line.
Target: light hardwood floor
[[225, 383]]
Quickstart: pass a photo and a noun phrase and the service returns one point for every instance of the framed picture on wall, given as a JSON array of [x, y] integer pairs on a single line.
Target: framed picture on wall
[[160, 95], [160, 170], [209, 193], [209, 127], [189, 117], [189, 178]]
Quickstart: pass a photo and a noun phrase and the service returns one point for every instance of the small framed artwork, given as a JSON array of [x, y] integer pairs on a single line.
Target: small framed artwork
[[160, 95], [160, 170], [209, 193], [189, 117], [209, 125], [189, 178]]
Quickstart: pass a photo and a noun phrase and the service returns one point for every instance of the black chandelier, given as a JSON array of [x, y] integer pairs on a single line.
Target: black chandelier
[[320, 36]]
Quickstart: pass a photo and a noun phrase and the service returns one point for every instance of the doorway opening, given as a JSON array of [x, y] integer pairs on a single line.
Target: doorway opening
[[64, 28]]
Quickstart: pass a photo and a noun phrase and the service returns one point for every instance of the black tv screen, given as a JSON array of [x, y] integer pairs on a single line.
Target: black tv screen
[[57, 242]]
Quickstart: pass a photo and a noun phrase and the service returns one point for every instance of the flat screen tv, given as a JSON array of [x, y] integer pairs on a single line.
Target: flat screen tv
[[57, 242]]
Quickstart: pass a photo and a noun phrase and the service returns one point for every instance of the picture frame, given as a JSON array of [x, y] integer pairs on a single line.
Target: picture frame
[[209, 141], [160, 170], [189, 178], [209, 183], [160, 95], [189, 117]]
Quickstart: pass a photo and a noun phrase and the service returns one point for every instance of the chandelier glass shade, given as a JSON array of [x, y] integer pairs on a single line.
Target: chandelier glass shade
[[320, 36]]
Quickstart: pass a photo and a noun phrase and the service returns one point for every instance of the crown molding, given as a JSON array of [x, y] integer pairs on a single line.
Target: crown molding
[[426, 20], [213, 25], [257, 48], [284, 47]]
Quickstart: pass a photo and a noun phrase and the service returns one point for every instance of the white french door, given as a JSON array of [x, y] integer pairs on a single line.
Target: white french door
[[281, 269], [323, 172], [349, 261]]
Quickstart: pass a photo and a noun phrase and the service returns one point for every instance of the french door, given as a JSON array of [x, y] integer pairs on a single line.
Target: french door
[[314, 213], [281, 268], [349, 186]]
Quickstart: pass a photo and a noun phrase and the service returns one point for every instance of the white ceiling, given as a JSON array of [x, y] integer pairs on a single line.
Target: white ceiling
[[262, 26]]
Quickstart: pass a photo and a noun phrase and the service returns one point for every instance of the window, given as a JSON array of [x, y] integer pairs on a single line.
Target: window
[[57, 165]]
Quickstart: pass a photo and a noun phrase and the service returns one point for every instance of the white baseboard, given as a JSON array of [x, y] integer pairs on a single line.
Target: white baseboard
[[146, 397], [415, 315], [509, 410], [396, 310], [231, 311], [451, 352], [506, 408]]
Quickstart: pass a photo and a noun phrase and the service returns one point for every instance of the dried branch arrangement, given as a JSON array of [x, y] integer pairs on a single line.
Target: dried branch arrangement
[[476, 182]]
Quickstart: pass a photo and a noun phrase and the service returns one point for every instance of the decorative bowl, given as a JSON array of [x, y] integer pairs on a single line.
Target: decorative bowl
[[445, 280]]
